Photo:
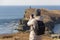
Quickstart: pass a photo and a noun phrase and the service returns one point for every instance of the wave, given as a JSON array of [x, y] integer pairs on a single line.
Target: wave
[[9, 26]]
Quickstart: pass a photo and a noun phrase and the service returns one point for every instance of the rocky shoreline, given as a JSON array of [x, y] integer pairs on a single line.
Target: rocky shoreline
[[51, 18]]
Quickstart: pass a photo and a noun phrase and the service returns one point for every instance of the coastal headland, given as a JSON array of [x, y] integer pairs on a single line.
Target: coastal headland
[[51, 18]]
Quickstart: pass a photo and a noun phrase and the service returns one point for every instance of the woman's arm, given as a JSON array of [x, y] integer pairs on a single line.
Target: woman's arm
[[30, 22]]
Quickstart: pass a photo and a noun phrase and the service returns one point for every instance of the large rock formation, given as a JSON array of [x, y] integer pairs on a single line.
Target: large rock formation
[[48, 14], [51, 17]]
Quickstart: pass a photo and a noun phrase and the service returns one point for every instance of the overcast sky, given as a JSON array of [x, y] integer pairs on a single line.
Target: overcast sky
[[29, 2]]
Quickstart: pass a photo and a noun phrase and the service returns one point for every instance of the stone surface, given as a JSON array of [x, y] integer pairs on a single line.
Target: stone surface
[[51, 17]]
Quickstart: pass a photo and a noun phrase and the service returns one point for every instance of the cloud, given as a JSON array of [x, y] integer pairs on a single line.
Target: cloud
[[9, 2], [29, 2]]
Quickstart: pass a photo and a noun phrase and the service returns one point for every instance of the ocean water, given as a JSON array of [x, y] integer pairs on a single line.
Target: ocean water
[[57, 29], [7, 26]]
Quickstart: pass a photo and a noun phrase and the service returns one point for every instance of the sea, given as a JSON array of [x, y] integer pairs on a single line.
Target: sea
[[8, 26], [56, 29]]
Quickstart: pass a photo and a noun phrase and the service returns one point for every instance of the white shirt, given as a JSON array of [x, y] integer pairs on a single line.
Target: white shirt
[[32, 23]]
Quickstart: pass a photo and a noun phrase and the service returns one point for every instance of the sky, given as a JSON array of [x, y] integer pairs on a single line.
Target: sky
[[29, 2], [15, 8]]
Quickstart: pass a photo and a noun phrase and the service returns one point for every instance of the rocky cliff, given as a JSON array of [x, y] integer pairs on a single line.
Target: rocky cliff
[[51, 17]]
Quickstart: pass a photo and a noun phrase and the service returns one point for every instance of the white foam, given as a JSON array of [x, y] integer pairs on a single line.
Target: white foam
[[8, 28]]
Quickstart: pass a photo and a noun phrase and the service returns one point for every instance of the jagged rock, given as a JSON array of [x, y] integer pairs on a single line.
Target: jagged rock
[[28, 12], [23, 25], [51, 17]]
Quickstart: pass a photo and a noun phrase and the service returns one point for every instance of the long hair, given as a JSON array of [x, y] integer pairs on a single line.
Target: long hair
[[32, 15]]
